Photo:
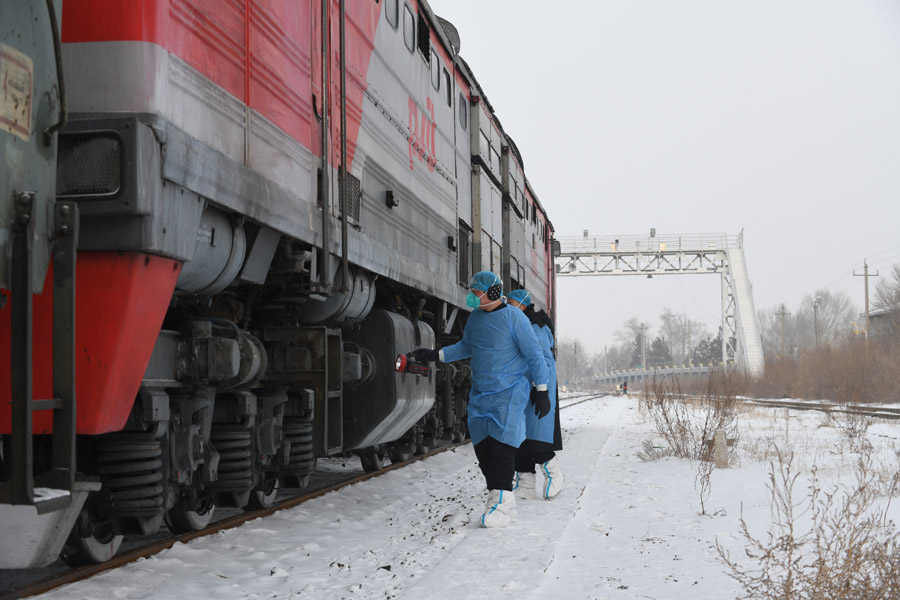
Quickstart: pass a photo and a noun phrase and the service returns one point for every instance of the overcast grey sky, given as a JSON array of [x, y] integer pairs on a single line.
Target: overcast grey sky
[[779, 117]]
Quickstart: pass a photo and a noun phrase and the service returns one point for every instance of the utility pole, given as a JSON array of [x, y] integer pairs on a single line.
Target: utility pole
[[643, 347], [866, 274], [575, 362], [816, 318], [782, 314], [689, 357], [605, 366]]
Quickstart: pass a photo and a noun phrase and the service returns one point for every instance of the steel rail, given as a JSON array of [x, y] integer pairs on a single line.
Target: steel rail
[[84, 572], [878, 412]]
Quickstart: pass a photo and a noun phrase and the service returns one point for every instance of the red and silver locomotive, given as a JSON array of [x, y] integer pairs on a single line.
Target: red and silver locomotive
[[271, 200]]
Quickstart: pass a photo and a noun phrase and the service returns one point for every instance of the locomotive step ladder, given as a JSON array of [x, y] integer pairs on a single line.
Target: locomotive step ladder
[[50, 490]]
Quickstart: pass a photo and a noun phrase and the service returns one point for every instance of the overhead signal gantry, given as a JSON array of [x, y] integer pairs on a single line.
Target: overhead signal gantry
[[686, 254]]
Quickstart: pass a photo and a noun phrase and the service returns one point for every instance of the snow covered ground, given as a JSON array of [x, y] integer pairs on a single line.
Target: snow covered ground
[[622, 527]]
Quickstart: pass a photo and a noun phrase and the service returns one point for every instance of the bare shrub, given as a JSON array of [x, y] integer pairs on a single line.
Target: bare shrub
[[688, 424], [848, 551], [854, 427], [650, 452]]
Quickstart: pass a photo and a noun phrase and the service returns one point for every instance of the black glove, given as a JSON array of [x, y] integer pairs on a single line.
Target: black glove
[[541, 401], [426, 355]]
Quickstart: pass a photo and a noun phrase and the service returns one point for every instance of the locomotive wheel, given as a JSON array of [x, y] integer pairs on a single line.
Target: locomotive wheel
[[401, 454], [372, 458], [263, 495], [180, 520], [100, 546]]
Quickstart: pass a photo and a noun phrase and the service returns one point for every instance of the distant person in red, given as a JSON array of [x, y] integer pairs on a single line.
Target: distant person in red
[[625, 388]]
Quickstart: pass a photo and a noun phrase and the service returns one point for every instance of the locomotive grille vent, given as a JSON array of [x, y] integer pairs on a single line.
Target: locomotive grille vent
[[354, 197], [88, 166]]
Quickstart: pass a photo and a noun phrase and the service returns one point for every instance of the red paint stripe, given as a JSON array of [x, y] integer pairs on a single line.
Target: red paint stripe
[[121, 300]]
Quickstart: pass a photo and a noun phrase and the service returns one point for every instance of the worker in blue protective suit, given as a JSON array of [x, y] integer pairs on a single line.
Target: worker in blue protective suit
[[543, 437], [506, 358]]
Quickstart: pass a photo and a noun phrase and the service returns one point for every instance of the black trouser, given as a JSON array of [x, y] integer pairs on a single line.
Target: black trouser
[[533, 452], [498, 463]]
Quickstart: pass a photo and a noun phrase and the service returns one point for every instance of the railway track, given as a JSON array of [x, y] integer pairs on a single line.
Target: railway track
[[571, 401], [45, 583], [41, 583], [878, 412]]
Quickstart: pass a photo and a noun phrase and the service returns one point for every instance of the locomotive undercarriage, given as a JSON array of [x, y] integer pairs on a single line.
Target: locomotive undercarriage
[[228, 418]]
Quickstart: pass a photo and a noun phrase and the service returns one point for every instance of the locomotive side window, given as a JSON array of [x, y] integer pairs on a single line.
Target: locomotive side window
[[392, 12], [409, 28], [463, 112], [449, 93], [435, 70], [424, 39], [464, 254]]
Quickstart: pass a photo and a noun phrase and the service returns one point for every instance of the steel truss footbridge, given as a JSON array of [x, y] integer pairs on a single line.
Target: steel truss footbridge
[[689, 254]]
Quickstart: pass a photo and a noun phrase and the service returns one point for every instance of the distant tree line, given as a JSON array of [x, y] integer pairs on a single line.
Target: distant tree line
[[676, 340], [818, 348]]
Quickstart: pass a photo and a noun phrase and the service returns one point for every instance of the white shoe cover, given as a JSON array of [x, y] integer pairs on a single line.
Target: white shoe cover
[[500, 510], [525, 486], [553, 482]]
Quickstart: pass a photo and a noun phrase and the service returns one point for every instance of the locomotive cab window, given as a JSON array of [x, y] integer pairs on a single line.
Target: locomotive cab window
[[409, 28], [392, 12], [435, 70], [463, 112]]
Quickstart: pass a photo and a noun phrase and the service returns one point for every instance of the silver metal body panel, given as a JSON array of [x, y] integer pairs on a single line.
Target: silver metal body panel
[[409, 143]]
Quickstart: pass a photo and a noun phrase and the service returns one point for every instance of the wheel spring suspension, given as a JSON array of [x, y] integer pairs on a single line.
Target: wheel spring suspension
[[235, 446], [131, 471], [299, 432]]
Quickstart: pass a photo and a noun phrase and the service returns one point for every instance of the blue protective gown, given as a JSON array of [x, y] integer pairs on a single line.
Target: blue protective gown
[[542, 429], [506, 358]]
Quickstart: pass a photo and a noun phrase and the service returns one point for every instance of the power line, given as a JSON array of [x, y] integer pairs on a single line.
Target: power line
[[884, 251], [885, 261], [856, 264], [695, 301]]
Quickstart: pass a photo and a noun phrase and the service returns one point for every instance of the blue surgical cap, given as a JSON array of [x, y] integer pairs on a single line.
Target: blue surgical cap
[[483, 280], [520, 296]]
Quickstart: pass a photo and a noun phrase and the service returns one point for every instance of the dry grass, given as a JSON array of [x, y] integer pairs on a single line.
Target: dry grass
[[849, 374], [848, 550]]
